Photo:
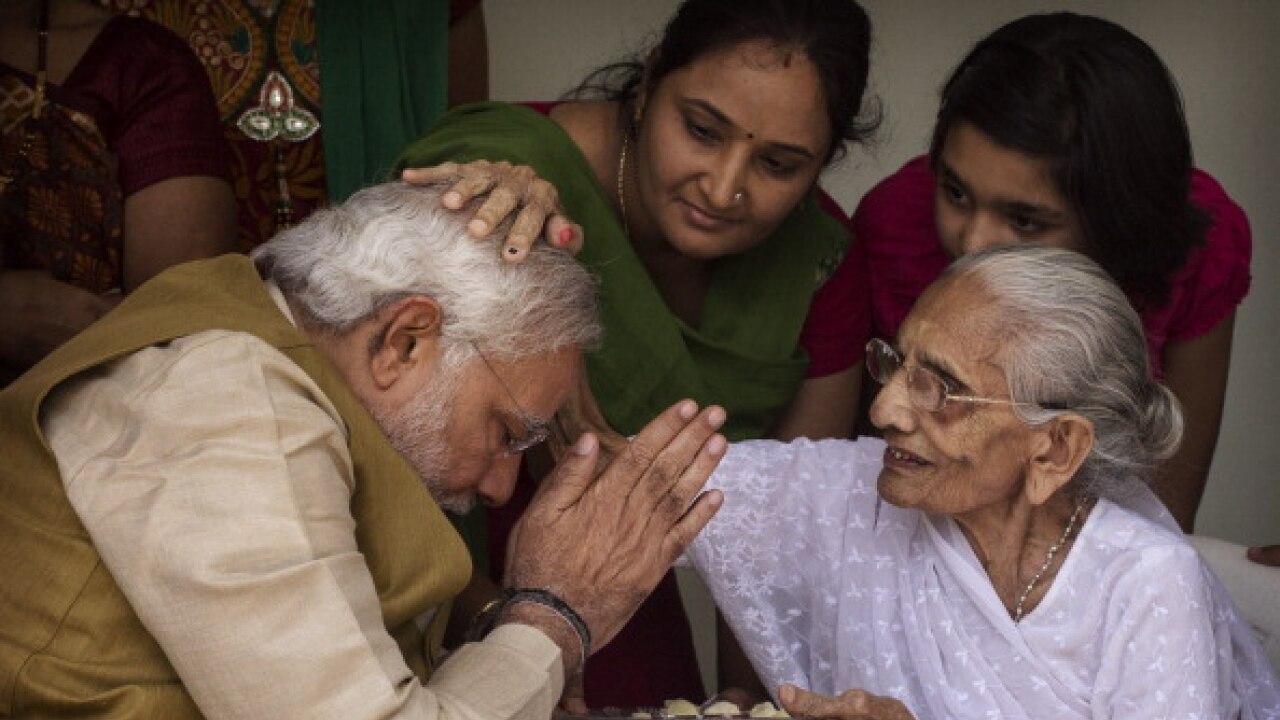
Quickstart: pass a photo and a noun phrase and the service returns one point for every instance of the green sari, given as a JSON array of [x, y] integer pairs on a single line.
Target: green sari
[[384, 78], [746, 356]]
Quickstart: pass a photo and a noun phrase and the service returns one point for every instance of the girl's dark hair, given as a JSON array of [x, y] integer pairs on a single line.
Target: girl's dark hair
[[1097, 103], [834, 34]]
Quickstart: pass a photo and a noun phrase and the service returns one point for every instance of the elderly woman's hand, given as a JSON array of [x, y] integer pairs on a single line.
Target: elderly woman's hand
[[602, 542], [849, 705], [510, 189]]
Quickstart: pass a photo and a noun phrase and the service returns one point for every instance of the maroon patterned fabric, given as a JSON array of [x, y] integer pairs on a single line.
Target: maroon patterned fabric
[[239, 44], [152, 102], [134, 111]]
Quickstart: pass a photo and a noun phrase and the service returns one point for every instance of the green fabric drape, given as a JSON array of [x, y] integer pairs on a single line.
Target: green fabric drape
[[383, 79], [745, 356]]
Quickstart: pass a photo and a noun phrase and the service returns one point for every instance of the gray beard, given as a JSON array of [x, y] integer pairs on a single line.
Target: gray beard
[[416, 431]]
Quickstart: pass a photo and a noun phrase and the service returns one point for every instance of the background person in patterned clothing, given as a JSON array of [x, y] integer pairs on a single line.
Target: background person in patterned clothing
[[112, 168], [307, 127]]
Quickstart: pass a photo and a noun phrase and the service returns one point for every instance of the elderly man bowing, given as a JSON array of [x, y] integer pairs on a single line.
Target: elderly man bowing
[[212, 502]]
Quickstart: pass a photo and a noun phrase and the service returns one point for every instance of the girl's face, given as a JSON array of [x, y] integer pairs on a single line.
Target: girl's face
[[988, 195], [728, 146]]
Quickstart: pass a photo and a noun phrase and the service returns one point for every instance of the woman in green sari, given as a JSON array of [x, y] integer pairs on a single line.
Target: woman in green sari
[[726, 275]]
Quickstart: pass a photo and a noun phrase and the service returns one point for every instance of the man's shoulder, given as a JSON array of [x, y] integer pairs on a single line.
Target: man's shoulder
[[214, 363], [196, 384], [209, 371]]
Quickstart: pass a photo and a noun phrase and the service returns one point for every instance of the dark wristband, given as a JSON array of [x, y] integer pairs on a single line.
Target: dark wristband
[[487, 618], [549, 599]]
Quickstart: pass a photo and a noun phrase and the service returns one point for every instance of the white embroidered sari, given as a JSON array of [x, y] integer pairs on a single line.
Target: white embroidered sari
[[831, 589]]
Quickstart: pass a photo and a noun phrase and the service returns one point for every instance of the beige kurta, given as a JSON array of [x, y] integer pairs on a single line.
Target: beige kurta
[[250, 517]]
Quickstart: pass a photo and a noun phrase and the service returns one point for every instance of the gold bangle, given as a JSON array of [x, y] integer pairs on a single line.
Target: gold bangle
[[484, 620]]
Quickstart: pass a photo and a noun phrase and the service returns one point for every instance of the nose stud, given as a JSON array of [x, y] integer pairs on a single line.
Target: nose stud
[[737, 197]]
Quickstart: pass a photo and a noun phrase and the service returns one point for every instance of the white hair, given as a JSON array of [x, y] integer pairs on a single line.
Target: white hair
[[1071, 342], [344, 264]]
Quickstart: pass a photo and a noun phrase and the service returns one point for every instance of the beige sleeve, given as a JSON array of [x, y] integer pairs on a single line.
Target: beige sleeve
[[215, 481]]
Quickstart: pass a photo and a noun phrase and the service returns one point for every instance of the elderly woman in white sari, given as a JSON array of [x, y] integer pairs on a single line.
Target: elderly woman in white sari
[[998, 554]]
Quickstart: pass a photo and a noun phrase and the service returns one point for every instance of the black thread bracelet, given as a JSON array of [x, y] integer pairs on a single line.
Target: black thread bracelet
[[540, 596], [545, 597]]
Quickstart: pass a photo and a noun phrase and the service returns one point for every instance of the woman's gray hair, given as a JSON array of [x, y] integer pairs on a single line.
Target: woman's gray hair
[[1071, 342], [344, 264]]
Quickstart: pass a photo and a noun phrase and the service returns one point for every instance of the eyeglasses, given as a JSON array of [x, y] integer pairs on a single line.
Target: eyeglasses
[[537, 430], [926, 390]]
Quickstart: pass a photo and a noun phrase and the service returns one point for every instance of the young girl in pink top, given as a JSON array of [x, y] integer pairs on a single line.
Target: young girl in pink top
[[1068, 130]]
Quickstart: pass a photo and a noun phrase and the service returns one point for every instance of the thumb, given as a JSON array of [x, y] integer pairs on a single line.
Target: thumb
[[796, 701]]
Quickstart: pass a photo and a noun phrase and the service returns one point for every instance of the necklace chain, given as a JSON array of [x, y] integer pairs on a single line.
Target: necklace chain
[[42, 55], [622, 173], [1018, 612]]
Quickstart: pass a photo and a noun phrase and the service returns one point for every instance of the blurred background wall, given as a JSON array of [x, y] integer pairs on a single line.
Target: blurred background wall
[[1223, 54]]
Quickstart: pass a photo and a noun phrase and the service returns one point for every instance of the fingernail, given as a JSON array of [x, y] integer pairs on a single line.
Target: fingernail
[[585, 444], [717, 444], [478, 227], [452, 199], [687, 409], [566, 236], [715, 418]]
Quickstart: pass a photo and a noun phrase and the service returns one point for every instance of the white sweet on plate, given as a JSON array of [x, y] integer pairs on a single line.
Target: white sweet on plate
[[767, 710], [721, 708], [680, 708]]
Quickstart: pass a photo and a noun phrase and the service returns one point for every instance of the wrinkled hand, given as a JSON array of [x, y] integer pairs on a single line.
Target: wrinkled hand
[[1269, 555], [39, 313], [510, 189], [602, 542], [850, 705]]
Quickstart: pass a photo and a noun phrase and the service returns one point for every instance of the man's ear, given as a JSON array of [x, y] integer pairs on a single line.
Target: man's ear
[[408, 339], [1060, 448]]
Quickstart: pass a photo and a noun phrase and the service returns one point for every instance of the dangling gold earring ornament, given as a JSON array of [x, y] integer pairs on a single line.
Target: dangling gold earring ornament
[[627, 132], [622, 173], [9, 175]]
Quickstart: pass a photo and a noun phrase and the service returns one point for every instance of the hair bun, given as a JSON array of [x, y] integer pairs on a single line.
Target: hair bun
[[1160, 426]]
